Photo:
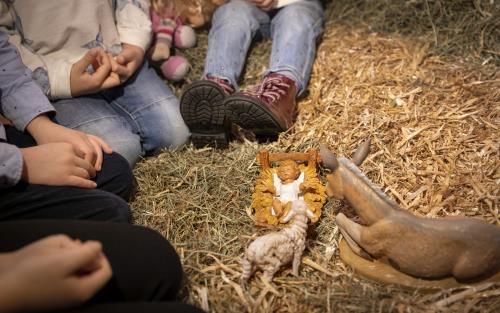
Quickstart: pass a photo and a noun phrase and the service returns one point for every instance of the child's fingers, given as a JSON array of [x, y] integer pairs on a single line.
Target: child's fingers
[[75, 181], [98, 150], [92, 267], [105, 147], [122, 72], [88, 149], [75, 259], [80, 172], [113, 62], [96, 64], [85, 165], [111, 81], [91, 56], [131, 67], [121, 58], [104, 69], [78, 152], [58, 241], [89, 284], [117, 68]]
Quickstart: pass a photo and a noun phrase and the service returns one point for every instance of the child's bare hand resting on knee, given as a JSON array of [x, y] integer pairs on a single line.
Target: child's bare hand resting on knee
[[57, 164], [45, 131], [52, 273]]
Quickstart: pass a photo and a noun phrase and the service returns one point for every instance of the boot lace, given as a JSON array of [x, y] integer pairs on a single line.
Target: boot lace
[[272, 88]]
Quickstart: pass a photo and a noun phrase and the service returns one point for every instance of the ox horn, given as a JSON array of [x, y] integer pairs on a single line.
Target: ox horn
[[328, 159], [361, 153]]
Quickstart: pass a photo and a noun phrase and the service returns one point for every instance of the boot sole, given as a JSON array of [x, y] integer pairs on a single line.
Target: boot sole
[[203, 110], [251, 115]]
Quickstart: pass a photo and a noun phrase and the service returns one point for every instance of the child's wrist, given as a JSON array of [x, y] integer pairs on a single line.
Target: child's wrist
[[38, 126]]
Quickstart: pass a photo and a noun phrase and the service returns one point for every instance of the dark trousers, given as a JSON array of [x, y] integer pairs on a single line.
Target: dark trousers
[[107, 202], [147, 272]]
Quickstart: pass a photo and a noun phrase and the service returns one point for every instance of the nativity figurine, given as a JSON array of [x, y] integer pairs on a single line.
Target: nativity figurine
[[273, 250], [465, 249], [278, 187]]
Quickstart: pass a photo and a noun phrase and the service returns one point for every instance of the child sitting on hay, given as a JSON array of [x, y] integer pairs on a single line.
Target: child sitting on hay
[[51, 258], [88, 57], [268, 108]]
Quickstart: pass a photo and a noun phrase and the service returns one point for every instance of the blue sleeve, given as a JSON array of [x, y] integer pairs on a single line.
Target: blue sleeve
[[21, 99], [11, 162]]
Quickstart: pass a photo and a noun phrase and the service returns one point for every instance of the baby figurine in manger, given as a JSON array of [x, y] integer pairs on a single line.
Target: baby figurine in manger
[[277, 187]]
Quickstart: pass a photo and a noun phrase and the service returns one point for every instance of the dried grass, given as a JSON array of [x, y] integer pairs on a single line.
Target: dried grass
[[432, 111]]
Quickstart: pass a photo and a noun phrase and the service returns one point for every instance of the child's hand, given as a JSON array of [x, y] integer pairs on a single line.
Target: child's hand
[[128, 61], [83, 83], [52, 273], [45, 131], [265, 5], [57, 164]]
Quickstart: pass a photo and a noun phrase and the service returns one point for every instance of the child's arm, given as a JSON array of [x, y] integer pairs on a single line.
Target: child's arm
[[25, 105], [134, 28], [20, 98], [133, 23]]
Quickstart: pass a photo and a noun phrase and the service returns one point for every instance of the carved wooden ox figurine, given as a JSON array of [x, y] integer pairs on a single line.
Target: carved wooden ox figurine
[[466, 248]]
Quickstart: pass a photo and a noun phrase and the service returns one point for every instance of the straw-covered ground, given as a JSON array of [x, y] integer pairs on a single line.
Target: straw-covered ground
[[421, 79]]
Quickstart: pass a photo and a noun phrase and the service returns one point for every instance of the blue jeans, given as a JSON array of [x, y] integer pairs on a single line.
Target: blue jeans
[[136, 119], [294, 30]]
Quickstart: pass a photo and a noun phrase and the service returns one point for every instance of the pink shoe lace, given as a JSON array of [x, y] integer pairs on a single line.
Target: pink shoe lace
[[272, 88], [223, 83]]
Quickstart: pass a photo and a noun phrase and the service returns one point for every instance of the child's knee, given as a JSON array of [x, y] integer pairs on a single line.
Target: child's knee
[[303, 14], [121, 212], [180, 135], [160, 257], [166, 127], [130, 149], [175, 135], [119, 173], [110, 207]]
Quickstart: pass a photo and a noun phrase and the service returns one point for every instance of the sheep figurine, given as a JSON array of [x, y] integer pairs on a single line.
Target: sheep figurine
[[271, 251]]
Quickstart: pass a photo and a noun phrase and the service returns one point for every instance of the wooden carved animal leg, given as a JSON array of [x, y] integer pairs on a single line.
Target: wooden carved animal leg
[[248, 270], [297, 258], [352, 234], [273, 265], [463, 270]]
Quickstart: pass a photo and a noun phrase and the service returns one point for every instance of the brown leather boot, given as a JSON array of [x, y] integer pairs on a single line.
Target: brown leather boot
[[266, 109], [204, 111]]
